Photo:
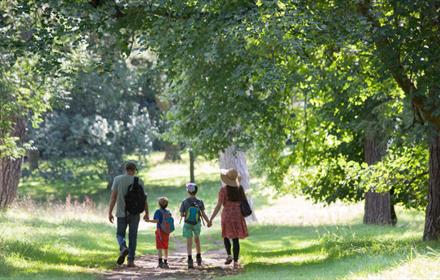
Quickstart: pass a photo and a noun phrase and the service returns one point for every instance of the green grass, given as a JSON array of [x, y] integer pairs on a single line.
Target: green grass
[[44, 238], [331, 252]]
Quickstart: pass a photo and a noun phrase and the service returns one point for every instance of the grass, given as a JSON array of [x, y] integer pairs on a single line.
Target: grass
[[53, 238]]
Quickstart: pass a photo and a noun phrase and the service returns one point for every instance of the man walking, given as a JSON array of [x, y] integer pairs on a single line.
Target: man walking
[[130, 199]]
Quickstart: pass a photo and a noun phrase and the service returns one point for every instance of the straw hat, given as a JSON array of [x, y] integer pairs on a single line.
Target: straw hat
[[230, 177]]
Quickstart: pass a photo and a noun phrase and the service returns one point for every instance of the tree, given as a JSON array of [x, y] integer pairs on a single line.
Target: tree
[[103, 120], [10, 169], [35, 40], [246, 55], [377, 205], [405, 35]]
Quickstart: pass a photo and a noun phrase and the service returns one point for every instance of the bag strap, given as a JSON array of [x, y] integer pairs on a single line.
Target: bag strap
[[163, 211], [241, 189]]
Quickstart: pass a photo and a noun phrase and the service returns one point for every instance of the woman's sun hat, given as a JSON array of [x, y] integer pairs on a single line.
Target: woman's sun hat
[[230, 177]]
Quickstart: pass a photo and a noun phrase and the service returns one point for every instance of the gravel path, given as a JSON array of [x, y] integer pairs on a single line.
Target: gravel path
[[146, 267]]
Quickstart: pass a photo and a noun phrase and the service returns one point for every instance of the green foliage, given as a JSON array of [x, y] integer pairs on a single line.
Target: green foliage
[[403, 172], [298, 82], [59, 241], [105, 118], [35, 38]]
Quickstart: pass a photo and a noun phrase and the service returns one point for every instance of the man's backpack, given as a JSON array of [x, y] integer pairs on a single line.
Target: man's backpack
[[135, 198], [192, 216], [167, 224]]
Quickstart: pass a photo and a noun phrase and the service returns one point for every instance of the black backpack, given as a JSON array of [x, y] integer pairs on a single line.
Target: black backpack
[[135, 198]]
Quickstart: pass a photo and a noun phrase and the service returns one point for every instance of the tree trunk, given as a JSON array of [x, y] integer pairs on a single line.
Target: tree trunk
[[378, 206], [192, 178], [231, 158], [432, 218], [172, 152], [10, 170], [33, 158], [114, 168]]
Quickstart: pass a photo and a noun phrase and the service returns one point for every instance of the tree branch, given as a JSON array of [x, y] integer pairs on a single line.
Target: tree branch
[[391, 58]]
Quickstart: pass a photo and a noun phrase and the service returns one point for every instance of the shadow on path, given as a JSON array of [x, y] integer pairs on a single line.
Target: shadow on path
[[146, 267]]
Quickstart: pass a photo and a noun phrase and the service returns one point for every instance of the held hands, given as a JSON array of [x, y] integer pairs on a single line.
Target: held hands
[[146, 218], [209, 223]]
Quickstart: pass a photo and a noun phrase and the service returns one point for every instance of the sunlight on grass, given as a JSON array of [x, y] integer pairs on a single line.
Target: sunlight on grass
[[48, 234], [419, 267], [56, 241], [290, 210]]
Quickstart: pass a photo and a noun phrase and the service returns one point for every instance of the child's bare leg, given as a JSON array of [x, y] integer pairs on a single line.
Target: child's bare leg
[[159, 253], [197, 241], [189, 246], [165, 253]]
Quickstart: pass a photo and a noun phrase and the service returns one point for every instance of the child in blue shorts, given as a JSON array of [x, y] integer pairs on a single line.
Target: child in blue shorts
[[193, 211]]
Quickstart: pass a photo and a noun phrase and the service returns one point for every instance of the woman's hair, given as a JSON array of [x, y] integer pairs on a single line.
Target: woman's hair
[[235, 193]]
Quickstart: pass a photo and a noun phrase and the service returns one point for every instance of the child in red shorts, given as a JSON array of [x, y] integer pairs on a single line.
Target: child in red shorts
[[162, 237]]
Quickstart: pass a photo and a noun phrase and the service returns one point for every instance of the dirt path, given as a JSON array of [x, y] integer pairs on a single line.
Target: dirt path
[[146, 266]]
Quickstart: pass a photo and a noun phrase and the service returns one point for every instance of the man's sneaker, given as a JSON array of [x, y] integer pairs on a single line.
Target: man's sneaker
[[130, 264], [190, 264], [199, 260], [228, 260], [160, 264], [122, 255]]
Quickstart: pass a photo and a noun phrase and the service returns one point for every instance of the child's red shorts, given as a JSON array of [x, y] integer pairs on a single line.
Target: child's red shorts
[[162, 239]]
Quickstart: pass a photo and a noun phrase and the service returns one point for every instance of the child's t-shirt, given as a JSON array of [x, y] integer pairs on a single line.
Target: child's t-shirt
[[187, 203]]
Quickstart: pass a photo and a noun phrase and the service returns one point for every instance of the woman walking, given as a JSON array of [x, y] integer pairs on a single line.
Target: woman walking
[[232, 221]]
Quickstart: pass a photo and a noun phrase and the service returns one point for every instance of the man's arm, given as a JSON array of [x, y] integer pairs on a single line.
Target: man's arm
[[146, 216], [113, 197]]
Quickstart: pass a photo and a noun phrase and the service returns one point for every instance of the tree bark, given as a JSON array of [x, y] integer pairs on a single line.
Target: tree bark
[[114, 167], [231, 158], [378, 207], [172, 152], [192, 178], [10, 170], [33, 158], [432, 219]]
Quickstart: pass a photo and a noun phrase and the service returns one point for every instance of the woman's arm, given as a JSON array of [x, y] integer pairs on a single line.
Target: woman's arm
[[155, 221], [216, 210], [208, 222]]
